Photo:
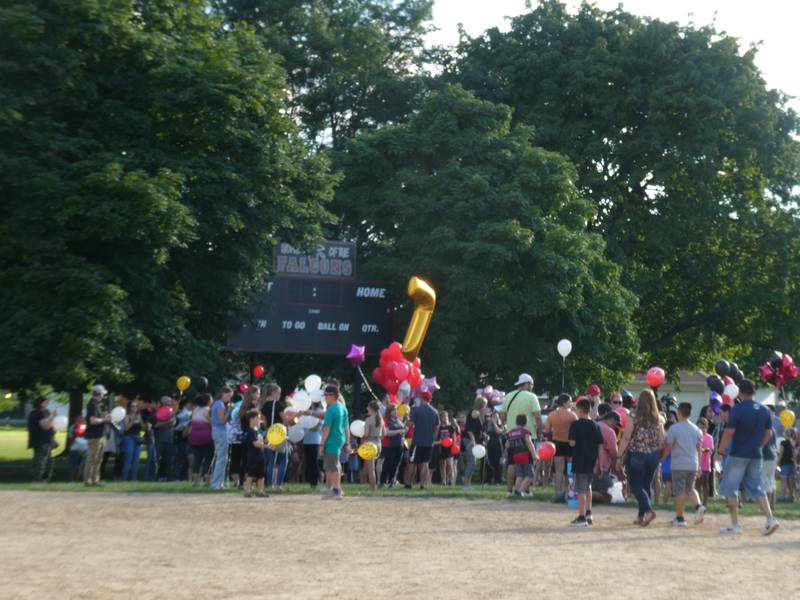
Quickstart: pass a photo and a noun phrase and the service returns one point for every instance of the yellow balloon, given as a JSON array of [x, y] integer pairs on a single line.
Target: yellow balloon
[[424, 298], [183, 383], [368, 451], [276, 434], [787, 418], [403, 410]]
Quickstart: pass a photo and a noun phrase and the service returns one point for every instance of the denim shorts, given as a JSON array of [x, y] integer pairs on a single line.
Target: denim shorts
[[787, 471], [742, 471], [523, 470]]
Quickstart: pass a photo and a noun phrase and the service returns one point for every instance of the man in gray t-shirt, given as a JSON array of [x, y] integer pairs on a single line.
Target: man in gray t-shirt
[[426, 423], [682, 443]]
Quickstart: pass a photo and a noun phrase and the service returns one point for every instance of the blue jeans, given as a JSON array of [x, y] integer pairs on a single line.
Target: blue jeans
[[742, 472], [152, 467], [130, 457], [641, 468], [220, 437], [279, 458]]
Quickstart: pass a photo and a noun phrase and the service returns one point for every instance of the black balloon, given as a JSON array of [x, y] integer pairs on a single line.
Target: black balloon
[[202, 384], [736, 375], [723, 367], [775, 359], [715, 384]]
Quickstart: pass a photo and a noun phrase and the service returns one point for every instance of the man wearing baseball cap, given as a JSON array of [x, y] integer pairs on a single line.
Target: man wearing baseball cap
[[335, 436], [521, 401], [96, 419], [748, 431]]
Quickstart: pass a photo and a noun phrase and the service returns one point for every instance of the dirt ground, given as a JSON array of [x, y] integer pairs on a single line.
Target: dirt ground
[[90, 545]]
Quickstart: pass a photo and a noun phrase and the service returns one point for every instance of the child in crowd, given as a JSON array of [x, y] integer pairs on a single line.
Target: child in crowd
[[256, 467], [445, 441], [706, 450], [373, 432], [786, 464], [681, 443], [585, 438], [521, 450], [666, 472]]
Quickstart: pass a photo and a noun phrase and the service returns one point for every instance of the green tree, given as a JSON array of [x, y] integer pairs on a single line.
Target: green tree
[[351, 64], [465, 200], [690, 160], [146, 169]]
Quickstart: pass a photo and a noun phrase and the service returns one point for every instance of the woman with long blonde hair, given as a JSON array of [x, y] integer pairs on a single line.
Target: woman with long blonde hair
[[640, 448]]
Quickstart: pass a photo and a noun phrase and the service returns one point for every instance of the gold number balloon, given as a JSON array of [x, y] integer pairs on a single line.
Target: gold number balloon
[[424, 298]]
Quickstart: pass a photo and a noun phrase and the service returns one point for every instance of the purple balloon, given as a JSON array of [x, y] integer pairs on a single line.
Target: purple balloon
[[429, 384], [356, 355], [715, 402]]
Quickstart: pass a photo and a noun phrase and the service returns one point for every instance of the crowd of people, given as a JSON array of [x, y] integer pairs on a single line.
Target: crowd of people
[[645, 447]]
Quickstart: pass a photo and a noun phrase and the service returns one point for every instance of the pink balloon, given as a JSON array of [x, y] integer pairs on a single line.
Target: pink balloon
[[623, 416], [395, 351], [401, 371], [655, 376]]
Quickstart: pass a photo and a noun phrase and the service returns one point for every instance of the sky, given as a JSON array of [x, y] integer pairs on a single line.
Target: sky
[[771, 22]]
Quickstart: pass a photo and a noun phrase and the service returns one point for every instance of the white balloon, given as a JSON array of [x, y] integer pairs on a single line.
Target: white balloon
[[479, 451], [117, 414], [296, 433], [291, 410], [313, 383], [404, 391], [307, 421], [60, 422], [731, 390], [357, 428], [564, 348], [301, 400], [317, 396]]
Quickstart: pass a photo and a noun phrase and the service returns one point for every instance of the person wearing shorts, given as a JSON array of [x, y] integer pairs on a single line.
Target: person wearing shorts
[[426, 423], [585, 439], [558, 423], [748, 431], [335, 436], [681, 445], [520, 452]]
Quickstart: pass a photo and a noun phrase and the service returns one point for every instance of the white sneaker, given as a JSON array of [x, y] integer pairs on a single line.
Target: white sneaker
[[699, 514], [509, 494], [468, 488], [771, 526], [679, 523], [731, 530]]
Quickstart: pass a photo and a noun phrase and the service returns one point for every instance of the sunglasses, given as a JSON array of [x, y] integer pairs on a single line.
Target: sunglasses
[[616, 402]]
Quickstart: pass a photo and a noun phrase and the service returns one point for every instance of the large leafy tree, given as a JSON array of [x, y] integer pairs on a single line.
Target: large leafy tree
[[146, 168], [351, 65], [690, 160], [462, 198]]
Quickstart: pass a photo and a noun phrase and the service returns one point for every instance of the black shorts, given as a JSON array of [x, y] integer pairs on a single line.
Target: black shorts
[[563, 449], [256, 468], [420, 454]]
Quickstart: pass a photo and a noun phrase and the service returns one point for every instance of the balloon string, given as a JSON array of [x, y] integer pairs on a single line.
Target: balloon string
[[364, 379]]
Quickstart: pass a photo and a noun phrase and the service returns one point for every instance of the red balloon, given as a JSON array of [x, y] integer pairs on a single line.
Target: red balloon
[[415, 378], [623, 416], [391, 385], [80, 429], [547, 451], [655, 377], [401, 371], [395, 351], [388, 368], [417, 364], [377, 376], [726, 399], [394, 399], [164, 413], [455, 450], [384, 355], [258, 371], [243, 387], [447, 442]]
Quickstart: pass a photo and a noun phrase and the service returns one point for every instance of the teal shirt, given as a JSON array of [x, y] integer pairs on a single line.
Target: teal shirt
[[336, 419]]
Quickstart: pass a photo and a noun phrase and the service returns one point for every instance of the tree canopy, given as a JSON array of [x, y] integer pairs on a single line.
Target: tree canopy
[[692, 164], [146, 166], [465, 200]]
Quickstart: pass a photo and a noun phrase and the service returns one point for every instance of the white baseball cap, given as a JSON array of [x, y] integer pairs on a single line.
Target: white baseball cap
[[99, 389], [524, 378]]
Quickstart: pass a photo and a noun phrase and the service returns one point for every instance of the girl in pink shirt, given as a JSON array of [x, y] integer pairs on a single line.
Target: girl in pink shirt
[[706, 450]]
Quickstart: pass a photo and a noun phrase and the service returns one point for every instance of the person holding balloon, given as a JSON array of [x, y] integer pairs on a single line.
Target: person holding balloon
[[277, 455], [164, 434], [446, 441], [41, 438], [311, 441], [373, 432], [253, 443], [473, 435]]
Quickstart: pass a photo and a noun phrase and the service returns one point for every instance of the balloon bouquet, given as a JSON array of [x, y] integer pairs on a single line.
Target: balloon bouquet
[[301, 399], [723, 386], [780, 370]]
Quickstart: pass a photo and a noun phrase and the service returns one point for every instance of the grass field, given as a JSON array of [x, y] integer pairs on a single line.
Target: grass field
[[15, 461]]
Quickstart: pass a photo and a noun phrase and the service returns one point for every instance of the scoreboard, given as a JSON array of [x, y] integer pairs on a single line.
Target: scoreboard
[[316, 314]]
